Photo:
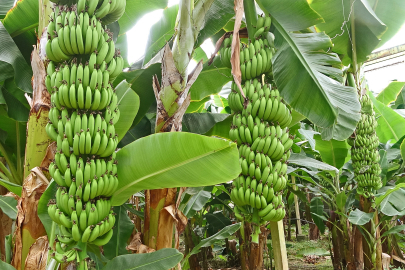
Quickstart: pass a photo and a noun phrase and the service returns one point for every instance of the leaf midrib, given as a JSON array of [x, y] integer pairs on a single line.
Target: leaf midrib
[[169, 168]]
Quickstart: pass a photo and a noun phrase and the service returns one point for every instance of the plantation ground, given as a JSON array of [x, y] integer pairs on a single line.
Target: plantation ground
[[295, 250]]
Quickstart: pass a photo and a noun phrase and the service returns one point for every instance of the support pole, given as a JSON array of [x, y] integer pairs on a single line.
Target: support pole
[[279, 248], [297, 208]]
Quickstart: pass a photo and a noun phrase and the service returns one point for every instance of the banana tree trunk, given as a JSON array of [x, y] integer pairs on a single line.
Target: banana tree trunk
[[29, 226], [172, 99]]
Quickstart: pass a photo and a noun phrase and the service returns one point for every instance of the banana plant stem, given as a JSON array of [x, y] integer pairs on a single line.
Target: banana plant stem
[[353, 40], [19, 163]]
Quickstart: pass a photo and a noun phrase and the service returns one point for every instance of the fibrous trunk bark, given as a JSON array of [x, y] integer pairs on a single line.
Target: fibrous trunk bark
[[172, 99], [313, 229], [29, 227], [5, 227], [244, 234], [373, 255], [189, 244], [28, 224], [358, 248]]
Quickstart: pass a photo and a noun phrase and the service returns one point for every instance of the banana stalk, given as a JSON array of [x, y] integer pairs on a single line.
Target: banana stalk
[[172, 101], [37, 142]]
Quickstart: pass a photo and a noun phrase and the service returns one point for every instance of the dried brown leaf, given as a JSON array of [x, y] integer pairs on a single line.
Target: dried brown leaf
[[136, 245], [37, 255], [27, 218], [41, 98], [218, 46], [235, 48], [49, 156]]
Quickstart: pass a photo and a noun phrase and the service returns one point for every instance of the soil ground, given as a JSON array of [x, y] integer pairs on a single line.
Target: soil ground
[[296, 259]]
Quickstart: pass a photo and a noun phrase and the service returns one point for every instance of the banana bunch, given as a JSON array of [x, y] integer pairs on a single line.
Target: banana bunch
[[71, 33], [107, 10], [365, 155], [263, 29], [259, 127], [255, 58], [84, 110]]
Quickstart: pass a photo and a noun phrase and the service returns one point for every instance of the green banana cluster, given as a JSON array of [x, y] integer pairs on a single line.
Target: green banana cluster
[[107, 10], [255, 58], [365, 155], [84, 109], [259, 128], [81, 33]]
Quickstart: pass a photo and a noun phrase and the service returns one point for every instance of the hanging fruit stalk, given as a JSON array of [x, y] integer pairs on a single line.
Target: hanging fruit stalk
[[84, 110], [367, 170], [259, 128]]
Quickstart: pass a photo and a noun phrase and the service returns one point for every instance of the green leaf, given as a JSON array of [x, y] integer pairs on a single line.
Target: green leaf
[[383, 163], [7, 71], [128, 102], [221, 235], [9, 53], [122, 231], [9, 206], [391, 126], [296, 118], [332, 152], [403, 150], [136, 9], [201, 123], [368, 27], [309, 135], [6, 266], [15, 188], [141, 83], [161, 32], [211, 80], [162, 259], [17, 105], [171, 160], [196, 203], [221, 129], [43, 206], [216, 222], [304, 161], [317, 211], [5, 5], [395, 229], [142, 129], [294, 15], [199, 54], [122, 45], [319, 95], [358, 217], [390, 93], [220, 12], [341, 199], [22, 22], [391, 201], [391, 13], [195, 106], [400, 101], [9, 126], [131, 209]]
